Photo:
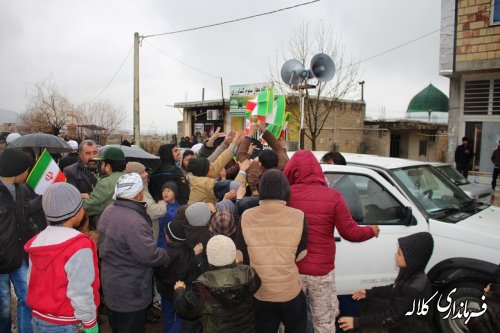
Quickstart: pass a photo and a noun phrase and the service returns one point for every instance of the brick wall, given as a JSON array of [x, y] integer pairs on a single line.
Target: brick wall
[[347, 118], [477, 38]]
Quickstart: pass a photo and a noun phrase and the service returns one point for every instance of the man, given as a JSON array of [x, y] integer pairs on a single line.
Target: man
[[82, 174], [71, 157], [128, 254], [345, 185], [495, 158], [16, 228], [112, 166], [169, 169], [463, 157], [325, 210], [275, 236]]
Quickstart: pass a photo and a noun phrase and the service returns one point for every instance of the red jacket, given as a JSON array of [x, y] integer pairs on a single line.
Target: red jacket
[[63, 286], [324, 209]]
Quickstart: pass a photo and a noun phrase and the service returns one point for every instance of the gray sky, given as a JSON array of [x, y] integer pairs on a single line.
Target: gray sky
[[79, 45]]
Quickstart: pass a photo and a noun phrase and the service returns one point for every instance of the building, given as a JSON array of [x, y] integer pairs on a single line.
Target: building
[[470, 58], [342, 130], [431, 104], [412, 139]]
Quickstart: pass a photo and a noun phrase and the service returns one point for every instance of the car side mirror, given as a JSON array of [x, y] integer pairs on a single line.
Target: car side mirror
[[407, 218]]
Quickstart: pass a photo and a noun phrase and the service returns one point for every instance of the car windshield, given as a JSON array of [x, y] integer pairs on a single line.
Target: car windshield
[[434, 192], [453, 174]]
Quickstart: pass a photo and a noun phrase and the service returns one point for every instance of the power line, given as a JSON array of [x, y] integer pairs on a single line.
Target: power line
[[497, 2], [233, 20], [114, 75], [181, 62]]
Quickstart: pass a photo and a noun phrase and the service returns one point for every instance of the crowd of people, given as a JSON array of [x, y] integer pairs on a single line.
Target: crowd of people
[[230, 238]]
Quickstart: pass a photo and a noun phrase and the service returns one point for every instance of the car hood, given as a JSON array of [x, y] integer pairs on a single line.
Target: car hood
[[476, 191]]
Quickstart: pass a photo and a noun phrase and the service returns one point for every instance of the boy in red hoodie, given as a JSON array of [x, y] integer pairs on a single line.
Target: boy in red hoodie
[[63, 277]]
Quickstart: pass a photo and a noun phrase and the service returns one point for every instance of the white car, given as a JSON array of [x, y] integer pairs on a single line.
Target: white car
[[404, 197], [477, 192]]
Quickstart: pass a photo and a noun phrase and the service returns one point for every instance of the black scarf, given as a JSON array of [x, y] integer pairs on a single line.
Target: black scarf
[[88, 172]]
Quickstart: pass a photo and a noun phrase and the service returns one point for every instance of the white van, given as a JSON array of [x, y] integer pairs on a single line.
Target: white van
[[404, 197]]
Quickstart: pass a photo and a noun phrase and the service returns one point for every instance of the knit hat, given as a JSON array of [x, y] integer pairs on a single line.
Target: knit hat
[[175, 230], [11, 137], [171, 185], [417, 250], [73, 144], [198, 214], [221, 251], [274, 185], [222, 223], [198, 166], [135, 167], [60, 202], [128, 186], [112, 154], [13, 162]]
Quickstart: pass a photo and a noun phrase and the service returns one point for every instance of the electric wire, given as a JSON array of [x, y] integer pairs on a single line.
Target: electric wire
[[233, 20], [181, 62]]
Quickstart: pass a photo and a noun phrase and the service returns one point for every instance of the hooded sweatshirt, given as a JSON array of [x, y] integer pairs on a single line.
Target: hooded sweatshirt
[[63, 277], [325, 210], [411, 285]]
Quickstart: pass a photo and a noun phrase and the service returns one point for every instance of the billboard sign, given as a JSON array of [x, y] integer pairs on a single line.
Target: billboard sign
[[241, 93]]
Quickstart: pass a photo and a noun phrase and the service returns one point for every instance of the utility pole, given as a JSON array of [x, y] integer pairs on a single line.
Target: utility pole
[[137, 126], [362, 83]]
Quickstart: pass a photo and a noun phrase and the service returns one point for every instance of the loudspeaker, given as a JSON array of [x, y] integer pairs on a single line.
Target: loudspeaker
[[293, 72], [322, 67]]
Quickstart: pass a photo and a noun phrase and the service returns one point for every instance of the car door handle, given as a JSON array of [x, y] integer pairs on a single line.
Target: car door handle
[[338, 239]]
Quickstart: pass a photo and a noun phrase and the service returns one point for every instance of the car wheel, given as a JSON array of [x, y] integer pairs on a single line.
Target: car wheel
[[467, 292]]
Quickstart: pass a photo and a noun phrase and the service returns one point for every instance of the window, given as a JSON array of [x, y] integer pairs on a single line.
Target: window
[[482, 97], [422, 150], [368, 202], [495, 11]]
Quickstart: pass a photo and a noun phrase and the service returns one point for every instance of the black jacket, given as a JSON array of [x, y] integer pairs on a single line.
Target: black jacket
[[489, 322], [401, 296], [184, 266], [223, 297], [168, 171], [78, 178], [463, 155], [17, 225]]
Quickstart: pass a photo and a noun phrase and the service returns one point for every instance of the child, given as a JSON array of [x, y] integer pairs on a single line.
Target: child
[[411, 284], [169, 193], [222, 296], [63, 285], [183, 263]]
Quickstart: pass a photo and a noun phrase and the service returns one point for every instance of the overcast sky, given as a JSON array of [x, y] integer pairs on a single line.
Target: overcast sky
[[79, 45]]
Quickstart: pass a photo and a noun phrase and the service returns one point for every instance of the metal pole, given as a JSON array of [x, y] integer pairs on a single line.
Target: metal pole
[[301, 137], [137, 126]]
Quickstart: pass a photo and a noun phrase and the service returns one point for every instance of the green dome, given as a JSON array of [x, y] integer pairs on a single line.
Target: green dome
[[431, 98]]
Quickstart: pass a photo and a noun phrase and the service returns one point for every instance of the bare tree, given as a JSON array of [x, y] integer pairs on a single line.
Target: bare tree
[[105, 115], [48, 109], [320, 102]]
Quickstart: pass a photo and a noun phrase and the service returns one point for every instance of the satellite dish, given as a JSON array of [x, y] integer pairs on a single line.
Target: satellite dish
[[322, 67], [293, 72]]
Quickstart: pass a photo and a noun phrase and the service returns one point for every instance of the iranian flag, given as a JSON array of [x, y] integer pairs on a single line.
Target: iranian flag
[[44, 173]]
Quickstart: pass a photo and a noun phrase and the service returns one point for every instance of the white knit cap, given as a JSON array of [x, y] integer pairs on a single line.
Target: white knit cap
[[11, 137], [73, 144], [221, 251], [128, 186]]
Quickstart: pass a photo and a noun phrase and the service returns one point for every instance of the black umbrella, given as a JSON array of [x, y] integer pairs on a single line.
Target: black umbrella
[[136, 154], [54, 144]]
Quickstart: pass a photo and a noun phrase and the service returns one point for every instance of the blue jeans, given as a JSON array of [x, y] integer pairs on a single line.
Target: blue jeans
[[172, 323], [40, 326], [19, 279]]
